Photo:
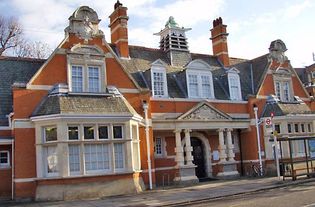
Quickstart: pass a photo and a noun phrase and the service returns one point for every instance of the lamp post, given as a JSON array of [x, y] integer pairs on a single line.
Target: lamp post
[[258, 138]]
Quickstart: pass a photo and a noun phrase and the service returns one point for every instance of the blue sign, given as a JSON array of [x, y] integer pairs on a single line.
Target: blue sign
[[311, 144]]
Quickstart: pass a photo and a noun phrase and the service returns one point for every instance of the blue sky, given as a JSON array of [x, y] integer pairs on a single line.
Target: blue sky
[[252, 25]]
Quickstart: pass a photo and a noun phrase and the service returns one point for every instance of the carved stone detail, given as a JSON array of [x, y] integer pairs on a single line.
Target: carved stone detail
[[204, 113], [84, 23]]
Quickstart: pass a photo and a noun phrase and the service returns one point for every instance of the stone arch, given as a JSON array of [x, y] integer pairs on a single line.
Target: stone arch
[[207, 151]]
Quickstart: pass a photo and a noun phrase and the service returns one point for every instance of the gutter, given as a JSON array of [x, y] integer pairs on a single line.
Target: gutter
[[146, 121], [12, 170]]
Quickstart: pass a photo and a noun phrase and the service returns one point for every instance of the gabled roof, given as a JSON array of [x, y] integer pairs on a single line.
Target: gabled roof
[[12, 70], [252, 73], [204, 111], [141, 59], [282, 109]]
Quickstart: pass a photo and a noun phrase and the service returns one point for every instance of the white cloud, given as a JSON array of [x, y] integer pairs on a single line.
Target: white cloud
[[249, 37]]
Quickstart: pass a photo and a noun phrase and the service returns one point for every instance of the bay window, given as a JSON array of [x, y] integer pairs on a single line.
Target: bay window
[[91, 149]]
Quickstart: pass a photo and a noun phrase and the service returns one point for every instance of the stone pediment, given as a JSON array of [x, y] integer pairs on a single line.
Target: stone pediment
[[204, 112]]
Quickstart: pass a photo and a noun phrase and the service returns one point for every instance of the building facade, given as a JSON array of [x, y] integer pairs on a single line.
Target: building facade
[[98, 119]]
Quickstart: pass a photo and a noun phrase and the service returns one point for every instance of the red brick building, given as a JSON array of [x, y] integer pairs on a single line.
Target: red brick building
[[98, 119]]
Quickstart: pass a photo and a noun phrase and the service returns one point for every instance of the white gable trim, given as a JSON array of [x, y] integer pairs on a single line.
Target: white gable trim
[[198, 65], [47, 61]]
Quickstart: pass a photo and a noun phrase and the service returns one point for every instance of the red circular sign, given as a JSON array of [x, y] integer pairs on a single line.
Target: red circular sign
[[268, 121]]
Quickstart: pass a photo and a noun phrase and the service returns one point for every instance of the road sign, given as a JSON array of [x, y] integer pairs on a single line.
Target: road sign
[[268, 122]]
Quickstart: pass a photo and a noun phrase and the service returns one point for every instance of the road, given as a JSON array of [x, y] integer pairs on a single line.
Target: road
[[302, 195]]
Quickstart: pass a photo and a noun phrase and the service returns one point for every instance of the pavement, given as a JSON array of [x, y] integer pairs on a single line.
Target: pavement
[[176, 195]]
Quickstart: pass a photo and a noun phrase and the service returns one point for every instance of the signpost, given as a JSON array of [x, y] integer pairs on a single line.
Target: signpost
[[274, 135]]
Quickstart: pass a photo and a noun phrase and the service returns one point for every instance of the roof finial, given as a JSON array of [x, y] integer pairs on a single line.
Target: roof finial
[[117, 4], [171, 22]]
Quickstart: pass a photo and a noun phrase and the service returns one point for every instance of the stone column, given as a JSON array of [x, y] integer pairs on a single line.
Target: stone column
[[222, 146], [230, 145], [179, 149], [188, 148]]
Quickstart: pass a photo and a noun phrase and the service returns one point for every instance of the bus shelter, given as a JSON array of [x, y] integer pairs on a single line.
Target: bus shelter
[[297, 156]]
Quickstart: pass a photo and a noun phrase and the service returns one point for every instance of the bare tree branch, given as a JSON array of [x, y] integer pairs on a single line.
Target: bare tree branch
[[36, 49], [10, 33]]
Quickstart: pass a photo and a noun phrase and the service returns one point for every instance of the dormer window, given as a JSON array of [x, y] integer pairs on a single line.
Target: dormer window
[[86, 73], [199, 80], [158, 79], [283, 88], [234, 84], [85, 78]]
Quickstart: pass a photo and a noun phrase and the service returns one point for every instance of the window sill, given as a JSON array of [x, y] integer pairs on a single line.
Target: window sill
[[5, 167], [88, 174], [90, 94]]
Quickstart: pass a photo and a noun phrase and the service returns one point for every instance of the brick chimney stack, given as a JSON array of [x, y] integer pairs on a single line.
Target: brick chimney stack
[[119, 29], [219, 41]]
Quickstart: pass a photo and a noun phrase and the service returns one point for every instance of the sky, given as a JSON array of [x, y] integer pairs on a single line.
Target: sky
[[251, 24]]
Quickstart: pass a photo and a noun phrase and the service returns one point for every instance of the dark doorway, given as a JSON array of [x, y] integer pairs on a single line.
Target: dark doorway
[[198, 157]]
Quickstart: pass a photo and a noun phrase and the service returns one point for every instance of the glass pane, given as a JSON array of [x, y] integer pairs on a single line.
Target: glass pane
[[94, 79], [158, 146], [74, 158], [117, 131], [50, 134], [193, 85], [296, 128], [103, 132], [88, 132], [206, 87], [158, 84], [119, 156], [96, 157], [52, 160], [77, 78], [73, 133], [289, 128], [4, 158]]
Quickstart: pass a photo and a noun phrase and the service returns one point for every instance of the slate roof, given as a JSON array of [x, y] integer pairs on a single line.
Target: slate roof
[[83, 104], [14, 69], [251, 72], [282, 109]]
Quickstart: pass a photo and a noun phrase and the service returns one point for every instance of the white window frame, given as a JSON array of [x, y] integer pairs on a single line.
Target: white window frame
[[82, 76], [7, 164], [88, 78], [130, 145], [51, 174], [80, 166], [199, 74], [161, 70], [237, 96], [44, 133], [282, 79], [162, 147], [79, 132], [92, 56]]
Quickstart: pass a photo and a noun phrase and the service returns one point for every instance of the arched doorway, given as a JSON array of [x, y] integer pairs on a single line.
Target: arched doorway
[[198, 155]]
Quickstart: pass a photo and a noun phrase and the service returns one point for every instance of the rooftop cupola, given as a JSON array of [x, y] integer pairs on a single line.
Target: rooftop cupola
[[173, 40]]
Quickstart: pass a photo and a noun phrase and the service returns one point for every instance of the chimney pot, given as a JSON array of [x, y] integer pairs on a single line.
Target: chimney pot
[[219, 41]]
